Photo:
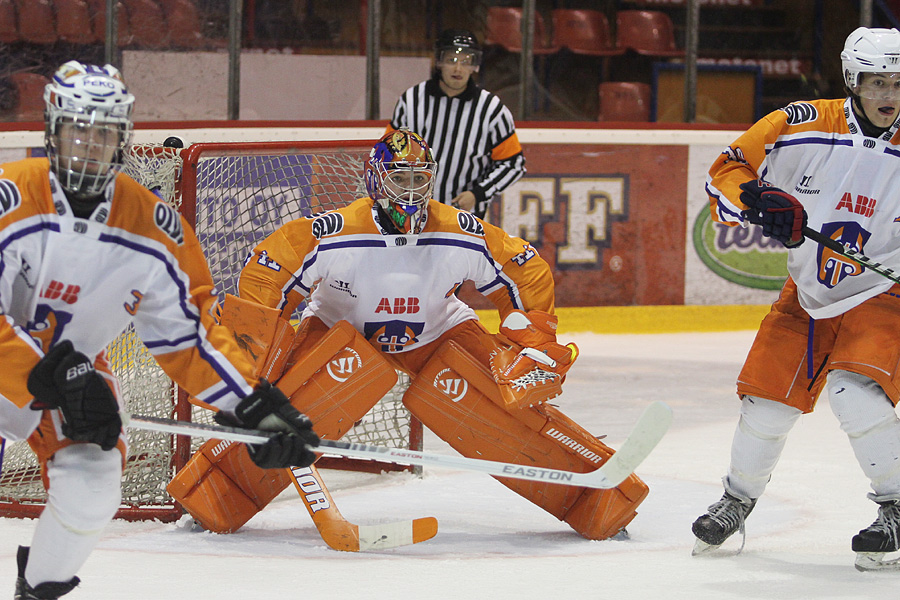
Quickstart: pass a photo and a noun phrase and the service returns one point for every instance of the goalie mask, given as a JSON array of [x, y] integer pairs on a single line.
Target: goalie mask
[[88, 126], [400, 178]]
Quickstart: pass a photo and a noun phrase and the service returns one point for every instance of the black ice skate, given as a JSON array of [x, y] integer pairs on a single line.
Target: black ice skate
[[879, 538], [721, 520], [49, 590]]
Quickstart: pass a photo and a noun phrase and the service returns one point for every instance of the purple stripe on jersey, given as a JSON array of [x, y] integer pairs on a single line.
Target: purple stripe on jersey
[[232, 384], [169, 343], [810, 140], [513, 298], [892, 152], [6, 241], [352, 244]]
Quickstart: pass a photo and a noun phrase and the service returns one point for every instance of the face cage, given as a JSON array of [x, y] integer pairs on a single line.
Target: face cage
[[407, 207], [84, 171]]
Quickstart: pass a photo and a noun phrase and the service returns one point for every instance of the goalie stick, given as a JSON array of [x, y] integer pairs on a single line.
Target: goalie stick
[[848, 252], [646, 434], [341, 534]]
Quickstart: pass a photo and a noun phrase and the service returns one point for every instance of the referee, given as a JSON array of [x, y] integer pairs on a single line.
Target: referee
[[470, 131]]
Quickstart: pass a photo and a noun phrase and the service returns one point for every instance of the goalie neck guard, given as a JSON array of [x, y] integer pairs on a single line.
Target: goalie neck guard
[[88, 127]]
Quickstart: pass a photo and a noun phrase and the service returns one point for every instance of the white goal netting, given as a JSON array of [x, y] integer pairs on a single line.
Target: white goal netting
[[234, 195]]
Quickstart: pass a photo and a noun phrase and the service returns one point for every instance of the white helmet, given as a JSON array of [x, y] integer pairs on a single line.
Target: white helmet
[[88, 126], [870, 51]]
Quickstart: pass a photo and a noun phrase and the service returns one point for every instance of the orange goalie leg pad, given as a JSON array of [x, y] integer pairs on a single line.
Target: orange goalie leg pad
[[338, 379], [221, 487], [456, 398]]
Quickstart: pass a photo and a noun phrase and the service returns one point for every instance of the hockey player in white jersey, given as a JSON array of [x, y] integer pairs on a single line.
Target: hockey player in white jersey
[[834, 166], [379, 276], [84, 251]]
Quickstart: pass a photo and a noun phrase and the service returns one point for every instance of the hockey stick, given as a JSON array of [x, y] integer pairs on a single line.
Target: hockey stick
[[646, 434], [848, 252], [341, 534]]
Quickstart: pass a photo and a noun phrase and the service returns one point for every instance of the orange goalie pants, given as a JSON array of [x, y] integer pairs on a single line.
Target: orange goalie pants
[[864, 340]]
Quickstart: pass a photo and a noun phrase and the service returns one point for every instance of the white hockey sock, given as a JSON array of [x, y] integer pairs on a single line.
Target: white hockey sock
[[870, 421], [85, 491], [758, 441]]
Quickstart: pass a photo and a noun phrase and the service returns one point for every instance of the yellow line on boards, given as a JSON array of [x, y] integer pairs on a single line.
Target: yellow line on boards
[[649, 319]]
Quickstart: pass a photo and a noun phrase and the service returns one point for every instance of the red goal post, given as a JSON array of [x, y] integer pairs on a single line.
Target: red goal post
[[233, 194]]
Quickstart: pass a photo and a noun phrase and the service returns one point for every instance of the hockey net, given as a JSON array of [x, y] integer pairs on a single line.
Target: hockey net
[[234, 195]]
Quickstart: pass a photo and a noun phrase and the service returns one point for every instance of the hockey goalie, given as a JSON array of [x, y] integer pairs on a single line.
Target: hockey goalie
[[380, 277]]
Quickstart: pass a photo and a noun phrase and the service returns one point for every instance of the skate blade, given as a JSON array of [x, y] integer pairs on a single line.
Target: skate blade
[[701, 548], [874, 561]]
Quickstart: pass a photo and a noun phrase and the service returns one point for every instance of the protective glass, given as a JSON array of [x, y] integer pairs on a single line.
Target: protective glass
[[460, 56], [880, 86]]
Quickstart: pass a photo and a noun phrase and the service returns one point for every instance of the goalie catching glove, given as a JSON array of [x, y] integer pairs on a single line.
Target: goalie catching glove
[[65, 379], [268, 409], [533, 368], [781, 215]]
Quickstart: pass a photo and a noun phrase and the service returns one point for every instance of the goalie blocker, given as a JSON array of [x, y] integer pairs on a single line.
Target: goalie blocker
[[339, 379]]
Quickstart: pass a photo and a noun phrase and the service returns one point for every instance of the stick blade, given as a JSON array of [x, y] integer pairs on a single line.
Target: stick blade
[[647, 433], [392, 535]]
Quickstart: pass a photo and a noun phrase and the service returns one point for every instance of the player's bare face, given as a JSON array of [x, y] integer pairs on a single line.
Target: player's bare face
[[90, 148], [879, 96], [456, 70]]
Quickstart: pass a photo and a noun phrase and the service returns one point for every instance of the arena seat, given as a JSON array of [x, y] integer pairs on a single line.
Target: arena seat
[[647, 32], [624, 101]]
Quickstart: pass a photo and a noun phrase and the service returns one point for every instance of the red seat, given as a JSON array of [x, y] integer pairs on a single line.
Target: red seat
[[583, 32], [624, 101], [73, 22], [8, 30], [647, 32], [146, 24], [504, 28], [184, 24], [29, 96], [36, 21]]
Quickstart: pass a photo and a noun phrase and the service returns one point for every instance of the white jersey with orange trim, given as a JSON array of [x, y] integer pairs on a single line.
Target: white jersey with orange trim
[[397, 290], [846, 181], [133, 260]]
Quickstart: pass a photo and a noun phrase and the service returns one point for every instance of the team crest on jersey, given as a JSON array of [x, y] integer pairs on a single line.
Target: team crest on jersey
[[800, 112], [451, 384], [833, 267], [169, 221], [10, 198], [469, 223], [525, 255], [327, 224], [393, 336]]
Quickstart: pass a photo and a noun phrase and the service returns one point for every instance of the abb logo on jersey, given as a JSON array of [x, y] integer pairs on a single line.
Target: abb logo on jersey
[[455, 387], [344, 364], [58, 290], [862, 206], [399, 306]]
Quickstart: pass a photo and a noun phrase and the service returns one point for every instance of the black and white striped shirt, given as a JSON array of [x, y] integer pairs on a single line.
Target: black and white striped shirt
[[472, 136]]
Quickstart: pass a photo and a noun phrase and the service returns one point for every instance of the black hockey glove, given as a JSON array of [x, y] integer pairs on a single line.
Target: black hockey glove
[[267, 408], [781, 215], [66, 379]]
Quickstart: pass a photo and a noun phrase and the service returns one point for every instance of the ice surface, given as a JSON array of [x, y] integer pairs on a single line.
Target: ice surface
[[494, 545]]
